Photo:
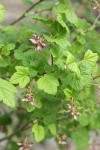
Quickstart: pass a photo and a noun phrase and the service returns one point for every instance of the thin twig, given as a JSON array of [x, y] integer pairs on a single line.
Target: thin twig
[[94, 24], [26, 126], [97, 18], [98, 76], [63, 117], [23, 15]]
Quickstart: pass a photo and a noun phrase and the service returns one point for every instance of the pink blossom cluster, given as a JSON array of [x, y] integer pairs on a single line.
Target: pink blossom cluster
[[39, 42], [25, 145], [62, 139], [73, 109], [29, 98]]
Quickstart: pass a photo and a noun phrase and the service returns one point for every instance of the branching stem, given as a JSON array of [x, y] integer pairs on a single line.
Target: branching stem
[[23, 15], [26, 126], [94, 24]]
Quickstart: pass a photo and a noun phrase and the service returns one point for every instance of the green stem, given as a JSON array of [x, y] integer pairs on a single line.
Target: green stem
[[94, 24]]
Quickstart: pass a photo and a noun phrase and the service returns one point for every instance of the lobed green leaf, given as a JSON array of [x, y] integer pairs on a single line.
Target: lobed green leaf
[[21, 76]]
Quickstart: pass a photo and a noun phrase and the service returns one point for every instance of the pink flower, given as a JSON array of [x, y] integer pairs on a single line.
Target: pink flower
[[39, 42], [29, 98], [73, 109], [25, 145], [33, 41], [43, 44], [21, 148], [39, 48]]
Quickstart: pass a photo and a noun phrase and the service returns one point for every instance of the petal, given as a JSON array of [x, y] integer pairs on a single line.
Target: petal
[[75, 118], [21, 148], [68, 105], [25, 100], [32, 103], [33, 41], [43, 44], [19, 143], [35, 35], [72, 113], [39, 48]]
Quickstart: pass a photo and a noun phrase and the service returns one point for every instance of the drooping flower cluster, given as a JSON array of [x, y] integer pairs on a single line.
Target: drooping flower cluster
[[29, 98], [73, 109], [26, 145], [96, 5], [39, 42], [62, 139]]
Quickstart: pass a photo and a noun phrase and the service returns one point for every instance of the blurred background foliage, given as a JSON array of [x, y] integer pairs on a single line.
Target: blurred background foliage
[[11, 120]]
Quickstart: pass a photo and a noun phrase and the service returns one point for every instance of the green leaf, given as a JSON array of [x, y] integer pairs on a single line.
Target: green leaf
[[48, 38], [81, 39], [38, 104], [42, 19], [91, 57], [52, 129], [84, 119], [33, 72], [85, 78], [68, 11], [74, 81], [29, 107], [39, 132], [48, 119], [71, 64], [68, 93], [61, 39], [83, 25], [7, 91], [6, 49], [58, 35], [94, 122], [61, 8], [60, 19], [21, 76], [18, 54], [1, 45], [74, 67], [59, 56], [2, 13], [46, 5], [5, 61], [70, 58], [81, 138], [48, 83]]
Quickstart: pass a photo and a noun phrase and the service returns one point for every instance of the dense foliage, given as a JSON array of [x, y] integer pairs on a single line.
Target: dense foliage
[[51, 63]]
